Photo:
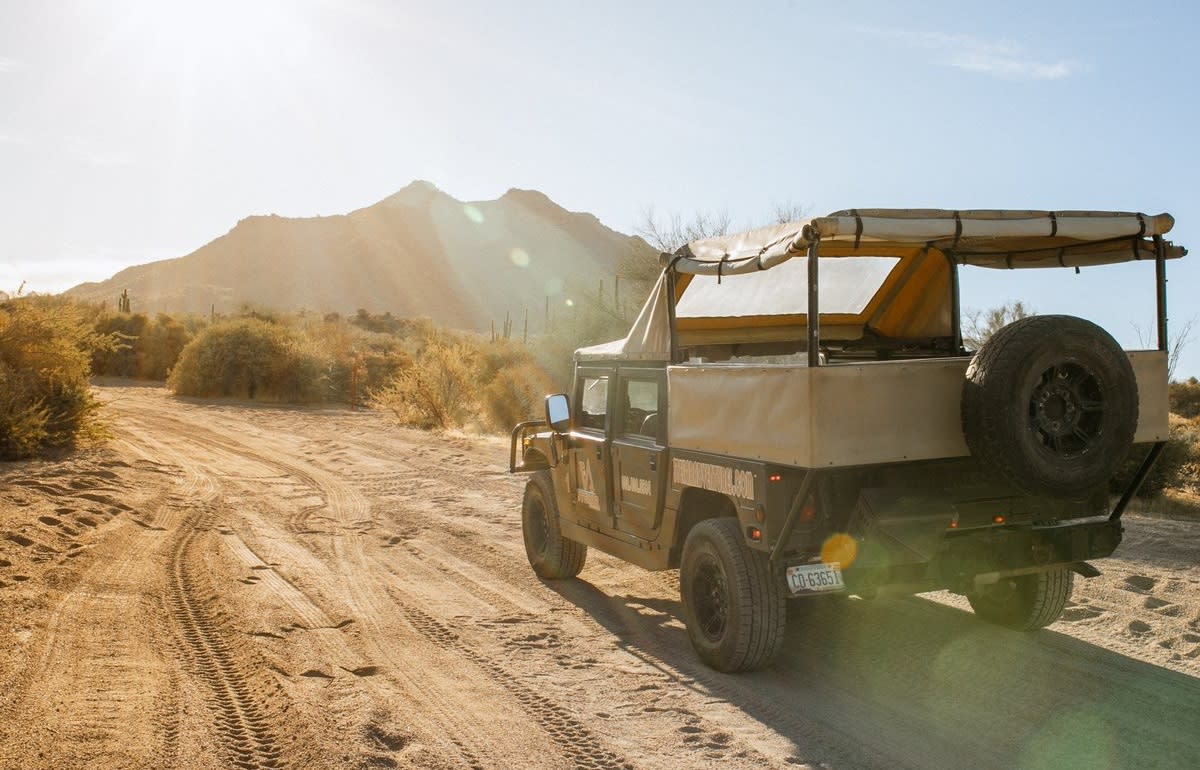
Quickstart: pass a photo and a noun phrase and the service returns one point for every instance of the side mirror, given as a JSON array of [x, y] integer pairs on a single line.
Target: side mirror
[[558, 412]]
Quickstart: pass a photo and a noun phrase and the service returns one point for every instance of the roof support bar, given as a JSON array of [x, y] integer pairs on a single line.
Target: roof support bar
[[672, 276], [814, 310], [955, 305], [1142, 472], [1160, 276]]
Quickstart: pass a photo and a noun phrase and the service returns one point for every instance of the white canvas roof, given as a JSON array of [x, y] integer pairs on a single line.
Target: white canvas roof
[[990, 238], [726, 284]]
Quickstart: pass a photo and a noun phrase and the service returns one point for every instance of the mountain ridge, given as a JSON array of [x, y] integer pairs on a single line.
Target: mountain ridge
[[416, 252]]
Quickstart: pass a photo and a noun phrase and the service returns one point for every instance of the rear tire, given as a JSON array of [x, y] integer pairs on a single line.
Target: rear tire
[[1050, 405], [551, 555], [733, 605], [1025, 602]]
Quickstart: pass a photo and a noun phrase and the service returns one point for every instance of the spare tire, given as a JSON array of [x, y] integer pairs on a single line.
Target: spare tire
[[1050, 405]]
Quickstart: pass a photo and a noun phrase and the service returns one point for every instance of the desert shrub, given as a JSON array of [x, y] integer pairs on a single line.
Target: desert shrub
[[159, 346], [1185, 397], [435, 391], [1180, 459], [119, 360], [358, 359], [514, 394], [23, 417], [147, 347], [251, 358], [45, 362]]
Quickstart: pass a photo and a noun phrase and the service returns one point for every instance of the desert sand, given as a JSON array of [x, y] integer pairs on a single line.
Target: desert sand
[[232, 585]]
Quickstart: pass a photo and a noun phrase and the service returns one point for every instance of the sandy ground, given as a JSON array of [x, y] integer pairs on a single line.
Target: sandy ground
[[231, 586]]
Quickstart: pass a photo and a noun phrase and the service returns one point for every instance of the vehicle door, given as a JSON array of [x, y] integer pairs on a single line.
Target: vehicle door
[[590, 448], [639, 451]]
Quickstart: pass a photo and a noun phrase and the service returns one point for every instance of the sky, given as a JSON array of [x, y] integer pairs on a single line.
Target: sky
[[133, 131]]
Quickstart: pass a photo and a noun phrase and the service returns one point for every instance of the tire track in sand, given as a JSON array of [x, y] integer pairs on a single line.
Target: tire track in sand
[[246, 737], [350, 578], [577, 742]]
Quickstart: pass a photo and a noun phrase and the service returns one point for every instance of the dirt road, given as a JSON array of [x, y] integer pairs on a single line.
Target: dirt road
[[232, 586]]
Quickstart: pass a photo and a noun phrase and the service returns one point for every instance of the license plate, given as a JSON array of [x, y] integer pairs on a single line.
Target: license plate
[[815, 578]]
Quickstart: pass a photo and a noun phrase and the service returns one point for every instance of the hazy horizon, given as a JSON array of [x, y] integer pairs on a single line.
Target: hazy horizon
[[139, 131]]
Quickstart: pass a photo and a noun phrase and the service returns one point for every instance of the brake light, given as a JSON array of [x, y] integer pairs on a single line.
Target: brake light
[[998, 519]]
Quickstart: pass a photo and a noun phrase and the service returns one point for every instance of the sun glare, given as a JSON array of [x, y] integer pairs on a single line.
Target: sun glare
[[221, 37]]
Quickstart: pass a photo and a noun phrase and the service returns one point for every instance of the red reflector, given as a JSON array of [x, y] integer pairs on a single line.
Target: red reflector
[[954, 524], [774, 477], [998, 519], [755, 533], [808, 514]]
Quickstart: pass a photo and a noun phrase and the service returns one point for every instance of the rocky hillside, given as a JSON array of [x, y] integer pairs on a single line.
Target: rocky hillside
[[419, 252]]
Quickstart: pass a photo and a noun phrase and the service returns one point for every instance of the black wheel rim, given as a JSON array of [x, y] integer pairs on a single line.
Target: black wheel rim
[[1066, 410], [539, 530], [710, 597]]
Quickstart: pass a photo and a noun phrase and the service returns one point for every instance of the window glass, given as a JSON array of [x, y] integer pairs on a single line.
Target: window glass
[[593, 402], [641, 408], [847, 285]]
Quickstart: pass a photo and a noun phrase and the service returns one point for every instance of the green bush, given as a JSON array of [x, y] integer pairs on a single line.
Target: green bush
[[45, 361], [251, 358]]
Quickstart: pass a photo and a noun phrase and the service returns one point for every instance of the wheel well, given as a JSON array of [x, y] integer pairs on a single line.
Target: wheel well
[[533, 459], [696, 505]]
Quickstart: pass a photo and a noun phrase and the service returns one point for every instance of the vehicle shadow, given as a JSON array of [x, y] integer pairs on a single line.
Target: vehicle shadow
[[909, 682]]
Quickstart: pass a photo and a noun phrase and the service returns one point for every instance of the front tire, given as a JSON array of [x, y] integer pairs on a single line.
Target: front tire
[[551, 555], [1025, 602], [733, 606]]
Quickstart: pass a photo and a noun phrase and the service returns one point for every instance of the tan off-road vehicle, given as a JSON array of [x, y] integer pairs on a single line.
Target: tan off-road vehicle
[[794, 413]]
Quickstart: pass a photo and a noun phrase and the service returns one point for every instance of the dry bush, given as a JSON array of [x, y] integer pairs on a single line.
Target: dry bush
[[1185, 398], [1177, 467], [159, 346], [45, 357], [121, 360], [252, 358], [435, 391], [515, 394], [148, 347], [359, 360]]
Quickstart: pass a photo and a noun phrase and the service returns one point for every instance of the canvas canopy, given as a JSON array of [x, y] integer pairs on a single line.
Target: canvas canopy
[[991, 238], [885, 274]]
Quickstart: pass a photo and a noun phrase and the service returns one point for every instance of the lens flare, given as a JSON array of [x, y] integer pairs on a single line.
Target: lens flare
[[839, 548], [473, 214], [519, 256]]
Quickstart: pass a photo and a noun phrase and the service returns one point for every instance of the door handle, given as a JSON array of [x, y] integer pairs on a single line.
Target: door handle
[[653, 463]]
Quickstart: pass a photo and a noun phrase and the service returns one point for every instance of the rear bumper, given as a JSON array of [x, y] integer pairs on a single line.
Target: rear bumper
[[970, 558]]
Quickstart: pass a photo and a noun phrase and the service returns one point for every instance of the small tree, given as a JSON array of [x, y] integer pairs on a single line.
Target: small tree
[[1178, 340], [979, 325]]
